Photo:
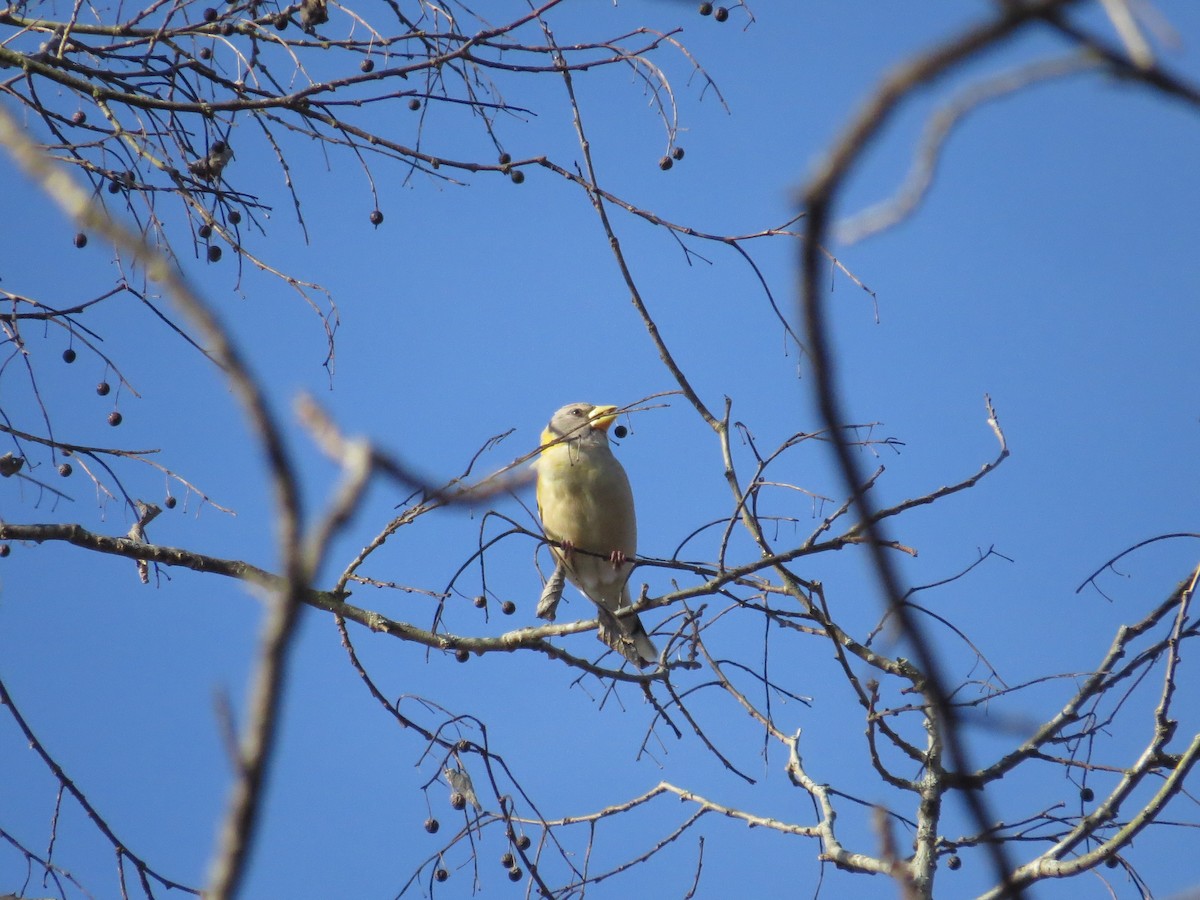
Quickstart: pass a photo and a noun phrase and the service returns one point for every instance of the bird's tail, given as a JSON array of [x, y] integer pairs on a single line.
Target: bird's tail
[[627, 636]]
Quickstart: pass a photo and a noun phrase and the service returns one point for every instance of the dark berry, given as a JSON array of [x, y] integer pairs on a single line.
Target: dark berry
[[206, 53], [457, 800], [1112, 862], [505, 159], [81, 240], [5, 550], [65, 470], [517, 176], [665, 163], [210, 15], [78, 117], [69, 355], [204, 230], [227, 28], [103, 388], [431, 825], [114, 187], [214, 253], [515, 873], [677, 153], [115, 418], [461, 654], [721, 14], [367, 65], [281, 22], [523, 842], [414, 104], [376, 217], [1087, 795], [170, 502], [507, 860], [235, 217], [480, 601], [954, 863], [441, 874], [706, 9], [620, 431], [508, 607]]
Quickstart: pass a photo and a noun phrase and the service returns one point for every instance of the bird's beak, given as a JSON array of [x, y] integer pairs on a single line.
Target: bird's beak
[[603, 416]]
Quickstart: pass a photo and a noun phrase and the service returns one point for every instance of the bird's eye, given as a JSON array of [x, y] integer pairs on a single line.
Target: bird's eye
[[577, 411]]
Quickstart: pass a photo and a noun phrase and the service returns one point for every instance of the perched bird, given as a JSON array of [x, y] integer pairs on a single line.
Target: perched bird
[[586, 507], [210, 166]]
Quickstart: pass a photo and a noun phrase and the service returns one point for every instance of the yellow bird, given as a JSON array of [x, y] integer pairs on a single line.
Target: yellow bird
[[586, 506]]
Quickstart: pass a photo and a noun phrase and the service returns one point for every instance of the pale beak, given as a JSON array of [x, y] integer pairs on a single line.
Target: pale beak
[[602, 417]]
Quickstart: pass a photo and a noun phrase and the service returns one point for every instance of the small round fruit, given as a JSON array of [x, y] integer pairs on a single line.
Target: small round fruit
[[235, 217], [367, 65], [210, 15], [432, 825], [441, 874], [226, 28], [80, 240], [665, 163], [78, 117], [508, 607], [721, 14], [114, 187], [214, 253], [677, 153], [1087, 795], [457, 800], [115, 418], [206, 53], [515, 873], [620, 431], [523, 842], [706, 9], [281, 23], [480, 601], [462, 655], [65, 470], [505, 159], [954, 862], [5, 550], [103, 388], [204, 230], [376, 217], [1112, 862], [69, 355], [507, 860], [517, 176], [414, 104], [170, 502]]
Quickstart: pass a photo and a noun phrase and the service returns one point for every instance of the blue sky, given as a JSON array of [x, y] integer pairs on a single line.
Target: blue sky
[[1053, 266]]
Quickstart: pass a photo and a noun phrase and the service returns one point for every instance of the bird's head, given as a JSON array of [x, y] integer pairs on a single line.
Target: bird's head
[[580, 422]]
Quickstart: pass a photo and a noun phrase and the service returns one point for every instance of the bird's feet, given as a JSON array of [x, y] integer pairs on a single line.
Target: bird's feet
[[617, 558]]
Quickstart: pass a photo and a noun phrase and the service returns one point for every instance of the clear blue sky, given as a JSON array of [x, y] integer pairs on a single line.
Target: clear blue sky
[[1054, 266]]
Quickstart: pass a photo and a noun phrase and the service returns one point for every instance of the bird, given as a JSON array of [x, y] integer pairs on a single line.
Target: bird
[[586, 509]]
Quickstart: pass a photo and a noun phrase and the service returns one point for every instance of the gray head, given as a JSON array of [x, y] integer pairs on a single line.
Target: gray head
[[580, 422]]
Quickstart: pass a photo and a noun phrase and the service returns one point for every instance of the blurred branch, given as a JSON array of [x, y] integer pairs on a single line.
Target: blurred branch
[[819, 197]]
